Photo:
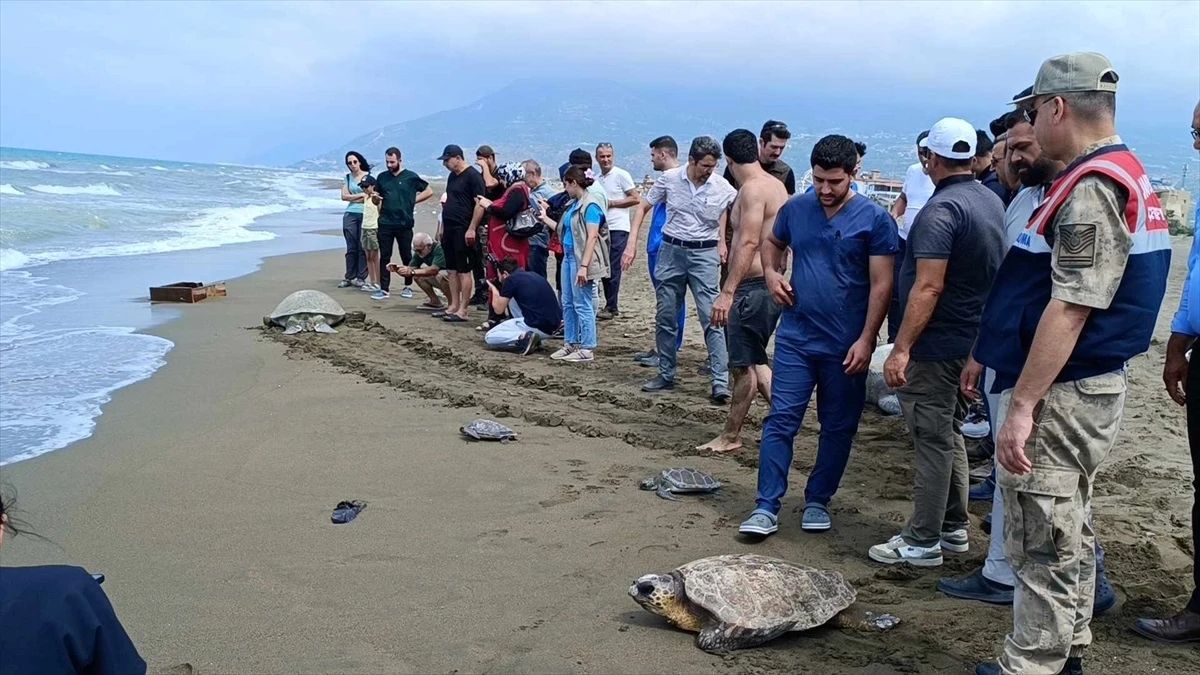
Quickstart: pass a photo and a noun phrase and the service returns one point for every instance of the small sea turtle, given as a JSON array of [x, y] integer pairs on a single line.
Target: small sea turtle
[[743, 600], [306, 311], [670, 482], [488, 430]]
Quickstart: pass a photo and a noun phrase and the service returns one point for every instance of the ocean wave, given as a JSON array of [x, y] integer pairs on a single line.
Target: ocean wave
[[7, 189], [214, 227], [11, 259], [23, 165], [159, 168], [100, 189]]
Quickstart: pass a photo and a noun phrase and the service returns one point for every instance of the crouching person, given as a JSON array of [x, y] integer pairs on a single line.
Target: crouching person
[[531, 301], [428, 269]]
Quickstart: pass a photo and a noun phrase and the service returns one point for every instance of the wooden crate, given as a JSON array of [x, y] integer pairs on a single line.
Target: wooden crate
[[186, 291]]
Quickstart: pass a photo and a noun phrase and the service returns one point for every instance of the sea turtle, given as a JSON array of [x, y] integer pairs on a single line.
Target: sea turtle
[[743, 600], [488, 430], [306, 311], [670, 482]]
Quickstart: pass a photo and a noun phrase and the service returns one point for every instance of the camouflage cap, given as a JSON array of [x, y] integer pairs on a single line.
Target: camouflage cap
[[1077, 71]]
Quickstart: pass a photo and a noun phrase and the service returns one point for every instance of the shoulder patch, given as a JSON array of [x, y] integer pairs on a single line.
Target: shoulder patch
[[1076, 245]]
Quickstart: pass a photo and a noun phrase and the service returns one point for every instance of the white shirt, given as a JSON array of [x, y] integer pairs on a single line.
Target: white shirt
[[1020, 210], [693, 213], [918, 188], [616, 183]]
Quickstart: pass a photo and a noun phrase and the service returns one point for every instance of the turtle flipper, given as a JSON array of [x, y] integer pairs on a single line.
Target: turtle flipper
[[321, 327], [293, 326], [722, 637], [864, 621], [663, 492]]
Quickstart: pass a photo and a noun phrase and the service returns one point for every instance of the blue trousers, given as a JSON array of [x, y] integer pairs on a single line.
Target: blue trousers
[[579, 306], [840, 401], [652, 260]]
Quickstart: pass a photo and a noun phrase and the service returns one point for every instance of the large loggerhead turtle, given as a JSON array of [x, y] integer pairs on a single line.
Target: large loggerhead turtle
[[743, 600], [306, 311]]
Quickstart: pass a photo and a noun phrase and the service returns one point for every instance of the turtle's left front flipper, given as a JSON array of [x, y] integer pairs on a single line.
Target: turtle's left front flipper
[[865, 621]]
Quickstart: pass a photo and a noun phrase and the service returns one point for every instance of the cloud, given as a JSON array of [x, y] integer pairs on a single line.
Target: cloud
[[222, 80]]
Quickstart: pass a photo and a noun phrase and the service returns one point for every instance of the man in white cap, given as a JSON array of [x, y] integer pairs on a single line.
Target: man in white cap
[[1076, 298], [954, 248]]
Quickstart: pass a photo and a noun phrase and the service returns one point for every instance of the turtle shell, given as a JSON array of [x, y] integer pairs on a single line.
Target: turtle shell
[[683, 479], [488, 430], [308, 302], [756, 592]]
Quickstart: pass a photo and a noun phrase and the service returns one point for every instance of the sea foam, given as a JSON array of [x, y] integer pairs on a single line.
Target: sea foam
[[7, 189], [99, 189]]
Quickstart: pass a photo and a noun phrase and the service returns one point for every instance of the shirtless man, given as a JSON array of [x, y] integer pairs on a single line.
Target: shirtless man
[[744, 306]]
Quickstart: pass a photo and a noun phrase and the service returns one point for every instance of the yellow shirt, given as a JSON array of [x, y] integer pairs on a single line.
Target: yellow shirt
[[370, 215]]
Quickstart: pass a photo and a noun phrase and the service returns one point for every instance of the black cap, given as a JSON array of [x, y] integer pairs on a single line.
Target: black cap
[[367, 181], [1027, 92], [451, 151], [580, 157]]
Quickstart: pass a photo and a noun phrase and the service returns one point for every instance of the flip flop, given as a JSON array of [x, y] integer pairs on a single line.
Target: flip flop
[[426, 305], [453, 318], [439, 314], [345, 512]]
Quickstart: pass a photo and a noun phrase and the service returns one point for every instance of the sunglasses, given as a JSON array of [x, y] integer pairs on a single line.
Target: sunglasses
[[1196, 134], [1031, 114]]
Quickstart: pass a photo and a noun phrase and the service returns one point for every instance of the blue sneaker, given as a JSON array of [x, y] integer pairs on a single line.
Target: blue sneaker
[[406, 293], [816, 518], [760, 522], [380, 295]]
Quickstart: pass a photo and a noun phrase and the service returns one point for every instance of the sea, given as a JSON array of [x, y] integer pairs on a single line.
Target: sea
[[83, 237]]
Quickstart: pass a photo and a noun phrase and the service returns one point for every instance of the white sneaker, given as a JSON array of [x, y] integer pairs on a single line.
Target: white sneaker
[[955, 541], [368, 287], [895, 550], [563, 353], [406, 293], [579, 356]]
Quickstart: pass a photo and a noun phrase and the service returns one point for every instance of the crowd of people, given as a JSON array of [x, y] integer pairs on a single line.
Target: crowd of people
[[1021, 268]]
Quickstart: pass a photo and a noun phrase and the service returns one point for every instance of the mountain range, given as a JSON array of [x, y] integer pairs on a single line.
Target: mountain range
[[546, 120]]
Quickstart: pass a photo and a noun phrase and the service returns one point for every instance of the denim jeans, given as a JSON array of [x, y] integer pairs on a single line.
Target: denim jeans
[[579, 306], [651, 261], [612, 285], [678, 270], [356, 257], [538, 257], [840, 401]]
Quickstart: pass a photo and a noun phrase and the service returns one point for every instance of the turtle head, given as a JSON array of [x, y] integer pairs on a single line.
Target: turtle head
[[657, 593], [650, 483]]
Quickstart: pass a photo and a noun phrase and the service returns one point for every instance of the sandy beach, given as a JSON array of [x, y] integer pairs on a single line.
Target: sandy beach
[[204, 496]]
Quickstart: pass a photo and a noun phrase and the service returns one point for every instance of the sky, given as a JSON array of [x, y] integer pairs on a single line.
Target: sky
[[262, 81]]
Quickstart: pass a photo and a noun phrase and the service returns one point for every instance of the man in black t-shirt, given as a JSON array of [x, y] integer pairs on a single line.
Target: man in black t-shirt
[[401, 190], [533, 304], [462, 187]]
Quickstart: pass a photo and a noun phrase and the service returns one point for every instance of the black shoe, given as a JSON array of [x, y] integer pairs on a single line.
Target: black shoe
[[986, 524], [528, 343], [975, 586], [659, 383], [1183, 627], [645, 355], [1074, 666], [605, 315], [720, 394]]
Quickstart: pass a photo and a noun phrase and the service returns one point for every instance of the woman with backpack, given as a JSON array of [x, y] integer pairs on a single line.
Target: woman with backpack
[[501, 242]]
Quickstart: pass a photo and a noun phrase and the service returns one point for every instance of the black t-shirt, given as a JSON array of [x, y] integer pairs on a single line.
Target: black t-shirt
[[778, 169], [963, 224], [399, 192], [536, 297], [461, 191]]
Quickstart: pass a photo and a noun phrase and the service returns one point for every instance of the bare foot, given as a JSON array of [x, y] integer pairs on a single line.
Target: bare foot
[[721, 445]]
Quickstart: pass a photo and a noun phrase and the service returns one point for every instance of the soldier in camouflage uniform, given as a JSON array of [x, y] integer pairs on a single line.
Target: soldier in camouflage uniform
[[1076, 297]]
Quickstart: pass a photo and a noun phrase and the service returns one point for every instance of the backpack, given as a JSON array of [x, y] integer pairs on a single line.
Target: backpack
[[526, 223]]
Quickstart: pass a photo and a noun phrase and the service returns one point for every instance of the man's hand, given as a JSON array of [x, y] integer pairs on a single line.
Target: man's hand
[[723, 251], [720, 309], [1010, 442], [581, 278], [470, 236], [781, 290], [859, 356], [1175, 370], [628, 257], [968, 381], [483, 201], [895, 369]]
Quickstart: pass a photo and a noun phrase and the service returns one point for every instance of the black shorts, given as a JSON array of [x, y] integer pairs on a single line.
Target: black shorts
[[752, 320], [454, 247]]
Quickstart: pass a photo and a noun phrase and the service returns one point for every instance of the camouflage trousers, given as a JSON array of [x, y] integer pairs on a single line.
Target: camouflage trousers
[[1048, 536]]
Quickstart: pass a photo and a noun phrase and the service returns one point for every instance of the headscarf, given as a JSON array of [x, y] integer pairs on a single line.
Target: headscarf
[[510, 174]]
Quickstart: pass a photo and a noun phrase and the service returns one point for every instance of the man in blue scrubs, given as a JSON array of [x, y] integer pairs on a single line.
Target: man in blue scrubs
[[842, 246]]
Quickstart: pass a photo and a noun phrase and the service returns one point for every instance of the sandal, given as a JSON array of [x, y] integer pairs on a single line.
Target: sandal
[[453, 318], [439, 314], [345, 512]]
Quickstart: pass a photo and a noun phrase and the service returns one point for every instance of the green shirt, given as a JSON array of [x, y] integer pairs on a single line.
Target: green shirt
[[399, 197], [435, 258]]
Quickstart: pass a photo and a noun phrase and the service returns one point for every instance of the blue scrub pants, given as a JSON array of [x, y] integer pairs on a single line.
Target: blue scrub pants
[[840, 401]]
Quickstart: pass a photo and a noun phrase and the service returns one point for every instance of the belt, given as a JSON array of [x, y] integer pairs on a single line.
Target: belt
[[711, 243], [752, 283]]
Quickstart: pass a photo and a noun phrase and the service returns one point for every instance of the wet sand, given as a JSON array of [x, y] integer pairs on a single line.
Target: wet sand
[[205, 493]]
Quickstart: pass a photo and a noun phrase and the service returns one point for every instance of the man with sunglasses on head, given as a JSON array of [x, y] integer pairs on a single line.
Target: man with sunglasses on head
[[1076, 297]]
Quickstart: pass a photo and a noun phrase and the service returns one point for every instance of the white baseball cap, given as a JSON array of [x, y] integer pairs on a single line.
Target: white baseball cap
[[952, 138]]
